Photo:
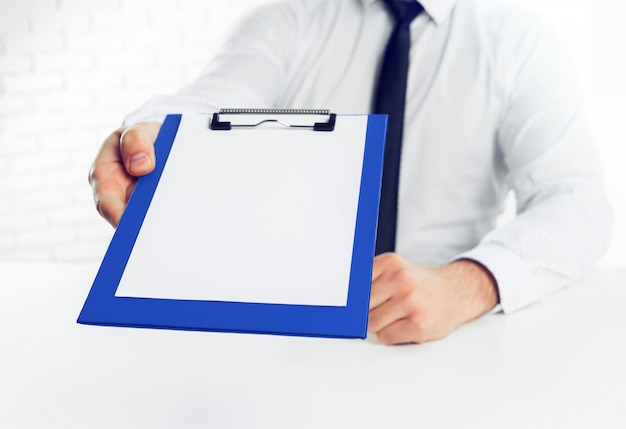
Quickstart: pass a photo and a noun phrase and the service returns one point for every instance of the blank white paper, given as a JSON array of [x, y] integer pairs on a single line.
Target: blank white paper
[[264, 215]]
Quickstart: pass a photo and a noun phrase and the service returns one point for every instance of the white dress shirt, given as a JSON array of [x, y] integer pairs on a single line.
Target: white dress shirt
[[493, 105]]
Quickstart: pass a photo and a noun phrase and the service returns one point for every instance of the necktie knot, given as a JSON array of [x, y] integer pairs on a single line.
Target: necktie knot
[[404, 11]]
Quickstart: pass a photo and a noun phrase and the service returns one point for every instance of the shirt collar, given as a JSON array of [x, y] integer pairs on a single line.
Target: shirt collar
[[438, 10]]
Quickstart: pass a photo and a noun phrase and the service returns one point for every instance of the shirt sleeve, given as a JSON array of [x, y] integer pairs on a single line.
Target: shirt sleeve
[[564, 219], [249, 70]]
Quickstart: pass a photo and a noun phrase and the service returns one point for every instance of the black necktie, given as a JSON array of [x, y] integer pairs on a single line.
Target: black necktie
[[389, 98]]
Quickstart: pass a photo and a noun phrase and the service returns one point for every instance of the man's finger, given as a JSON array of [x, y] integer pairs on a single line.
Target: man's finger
[[111, 207], [386, 314], [380, 292], [110, 185], [381, 262], [137, 148], [386, 268], [402, 331]]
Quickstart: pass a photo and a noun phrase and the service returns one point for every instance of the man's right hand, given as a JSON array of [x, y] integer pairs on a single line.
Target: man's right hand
[[125, 155]]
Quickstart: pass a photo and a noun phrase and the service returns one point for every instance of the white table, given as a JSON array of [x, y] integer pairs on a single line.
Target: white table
[[558, 364]]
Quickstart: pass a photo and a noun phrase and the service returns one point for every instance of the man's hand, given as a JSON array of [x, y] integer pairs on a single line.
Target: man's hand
[[413, 304], [126, 154]]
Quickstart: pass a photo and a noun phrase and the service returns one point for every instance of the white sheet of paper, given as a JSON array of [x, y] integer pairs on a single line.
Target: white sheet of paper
[[263, 215]]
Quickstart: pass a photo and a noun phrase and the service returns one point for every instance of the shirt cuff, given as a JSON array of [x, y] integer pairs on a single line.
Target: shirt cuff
[[516, 284]]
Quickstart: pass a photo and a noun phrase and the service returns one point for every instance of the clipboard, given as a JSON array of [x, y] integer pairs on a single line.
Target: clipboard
[[253, 220]]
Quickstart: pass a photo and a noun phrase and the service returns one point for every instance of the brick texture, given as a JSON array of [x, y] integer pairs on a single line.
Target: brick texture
[[70, 70]]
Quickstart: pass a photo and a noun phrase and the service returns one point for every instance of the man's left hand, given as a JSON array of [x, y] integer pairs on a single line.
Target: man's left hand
[[411, 303]]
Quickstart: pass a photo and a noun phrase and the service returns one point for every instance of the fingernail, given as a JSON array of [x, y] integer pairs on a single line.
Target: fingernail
[[139, 161]]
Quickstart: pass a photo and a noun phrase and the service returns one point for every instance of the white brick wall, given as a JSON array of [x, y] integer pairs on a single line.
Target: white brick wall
[[71, 69]]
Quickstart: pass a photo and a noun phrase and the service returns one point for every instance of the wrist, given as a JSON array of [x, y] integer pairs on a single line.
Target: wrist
[[474, 285]]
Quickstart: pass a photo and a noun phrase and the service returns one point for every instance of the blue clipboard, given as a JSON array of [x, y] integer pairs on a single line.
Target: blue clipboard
[[104, 307]]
